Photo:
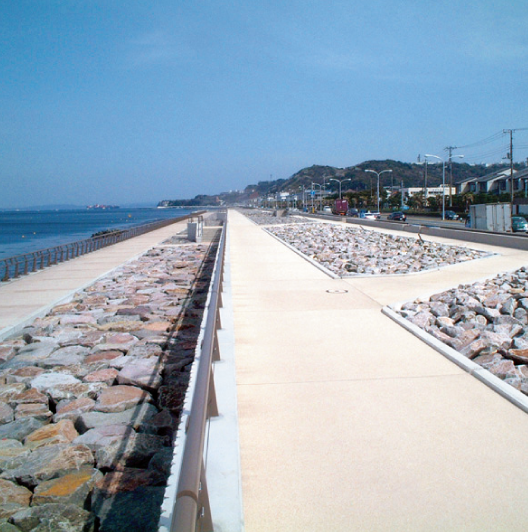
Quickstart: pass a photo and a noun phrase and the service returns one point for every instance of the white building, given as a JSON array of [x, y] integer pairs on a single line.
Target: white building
[[431, 191]]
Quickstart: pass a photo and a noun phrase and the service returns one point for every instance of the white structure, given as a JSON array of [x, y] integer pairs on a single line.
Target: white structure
[[431, 191]]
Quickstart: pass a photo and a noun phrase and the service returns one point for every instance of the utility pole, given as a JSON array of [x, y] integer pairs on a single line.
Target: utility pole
[[510, 157], [425, 179], [450, 150], [425, 183]]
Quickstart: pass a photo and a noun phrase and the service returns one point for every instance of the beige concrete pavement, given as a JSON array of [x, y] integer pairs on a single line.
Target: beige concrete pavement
[[23, 298], [348, 422]]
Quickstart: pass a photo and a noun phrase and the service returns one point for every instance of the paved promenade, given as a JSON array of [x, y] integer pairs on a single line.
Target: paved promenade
[[348, 422]]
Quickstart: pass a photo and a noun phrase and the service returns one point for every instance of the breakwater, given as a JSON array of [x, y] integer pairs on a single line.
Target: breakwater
[[91, 395]]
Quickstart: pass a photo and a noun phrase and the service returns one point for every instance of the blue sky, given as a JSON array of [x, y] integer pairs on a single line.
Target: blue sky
[[137, 101]]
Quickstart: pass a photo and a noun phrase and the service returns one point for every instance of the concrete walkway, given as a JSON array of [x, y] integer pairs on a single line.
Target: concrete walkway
[[348, 422], [30, 295]]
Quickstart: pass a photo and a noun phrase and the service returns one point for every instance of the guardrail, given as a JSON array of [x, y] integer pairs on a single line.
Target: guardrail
[[190, 511], [13, 267]]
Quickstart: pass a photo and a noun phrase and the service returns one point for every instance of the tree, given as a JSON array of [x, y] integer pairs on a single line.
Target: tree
[[416, 201]]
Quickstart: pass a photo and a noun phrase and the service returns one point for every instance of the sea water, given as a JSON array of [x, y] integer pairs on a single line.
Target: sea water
[[25, 231]]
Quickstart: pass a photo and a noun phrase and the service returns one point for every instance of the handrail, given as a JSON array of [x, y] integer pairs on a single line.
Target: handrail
[[192, 512], [13, 267]]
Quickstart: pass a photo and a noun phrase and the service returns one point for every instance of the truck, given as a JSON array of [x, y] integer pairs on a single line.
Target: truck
[[490, 217], [340, 207]]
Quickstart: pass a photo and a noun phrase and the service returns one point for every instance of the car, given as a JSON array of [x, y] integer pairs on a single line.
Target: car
[[519, 224], [354, 213], [327, 209], [397, 216], [367, 215], [451, 215]]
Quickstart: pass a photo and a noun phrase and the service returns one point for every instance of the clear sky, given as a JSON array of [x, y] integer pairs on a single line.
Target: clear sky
[[121, 101]]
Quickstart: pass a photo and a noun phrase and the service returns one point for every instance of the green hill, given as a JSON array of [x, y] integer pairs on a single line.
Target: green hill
[[357, 180]]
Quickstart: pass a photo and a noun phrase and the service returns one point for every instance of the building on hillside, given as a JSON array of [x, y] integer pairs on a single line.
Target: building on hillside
[[495, 183]]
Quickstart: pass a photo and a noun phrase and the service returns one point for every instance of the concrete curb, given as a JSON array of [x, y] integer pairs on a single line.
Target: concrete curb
[[498, 385]]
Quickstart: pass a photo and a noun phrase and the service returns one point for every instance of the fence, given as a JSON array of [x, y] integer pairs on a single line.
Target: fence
[[14, 267], [188, 509]]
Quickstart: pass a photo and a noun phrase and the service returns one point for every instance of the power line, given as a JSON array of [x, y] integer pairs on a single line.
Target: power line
[[487, 140], [482, 155]]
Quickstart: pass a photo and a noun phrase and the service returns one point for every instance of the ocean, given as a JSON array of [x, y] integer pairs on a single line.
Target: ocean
[[26, 231]]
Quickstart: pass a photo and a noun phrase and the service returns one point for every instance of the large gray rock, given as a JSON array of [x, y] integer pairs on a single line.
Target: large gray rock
[[135, 450], [119, 398], [13, 457], [72, 488], [143, 373], [47, 381], [13, 493], [100, 437], [54, 517], [61, 386], [65, 356], [8, 391], [20, 428], [6, 413], [133, 417], [73, 409], [50, 462]]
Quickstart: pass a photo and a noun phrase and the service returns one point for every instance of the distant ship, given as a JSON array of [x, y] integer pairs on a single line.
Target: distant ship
[[102, 207]]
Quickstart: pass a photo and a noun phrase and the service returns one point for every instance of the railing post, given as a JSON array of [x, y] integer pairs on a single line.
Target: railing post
[[6, 273], [205, 519], [212, 405]]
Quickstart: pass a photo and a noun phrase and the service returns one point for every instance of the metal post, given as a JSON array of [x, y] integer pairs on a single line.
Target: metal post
[[443, 190]]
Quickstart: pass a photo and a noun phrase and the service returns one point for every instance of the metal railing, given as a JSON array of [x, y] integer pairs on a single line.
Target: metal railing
[[13, 267], [192, 512]]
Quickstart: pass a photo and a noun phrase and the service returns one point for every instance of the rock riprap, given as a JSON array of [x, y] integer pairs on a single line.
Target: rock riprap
[[91, 395], [268, 218], [347, 250], [484, 321]]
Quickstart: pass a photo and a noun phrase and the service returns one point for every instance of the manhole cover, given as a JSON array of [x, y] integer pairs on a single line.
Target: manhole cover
[[337, 291]]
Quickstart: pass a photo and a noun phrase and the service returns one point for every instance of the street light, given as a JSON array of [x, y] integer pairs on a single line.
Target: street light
[[378, 174], [443, 179], [443, 182], [451, 176], [340, 181], [320, 194]]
